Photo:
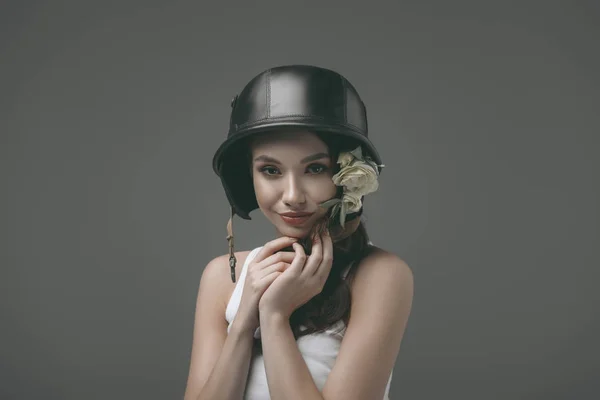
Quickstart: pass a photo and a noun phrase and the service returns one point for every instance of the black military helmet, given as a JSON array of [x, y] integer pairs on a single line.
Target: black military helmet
[[287, 97]]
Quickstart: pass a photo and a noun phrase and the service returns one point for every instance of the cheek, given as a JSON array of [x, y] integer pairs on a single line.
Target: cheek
[[324, 190], [264, 191], [319, 190]]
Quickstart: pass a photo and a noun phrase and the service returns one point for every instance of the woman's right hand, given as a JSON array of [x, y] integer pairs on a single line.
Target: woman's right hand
[[266, 266]]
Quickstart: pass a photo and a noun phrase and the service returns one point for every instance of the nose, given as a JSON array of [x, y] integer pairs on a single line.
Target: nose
[[293, 194]]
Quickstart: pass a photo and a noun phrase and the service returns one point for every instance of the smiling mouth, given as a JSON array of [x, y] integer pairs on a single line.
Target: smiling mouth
[[295, 220]]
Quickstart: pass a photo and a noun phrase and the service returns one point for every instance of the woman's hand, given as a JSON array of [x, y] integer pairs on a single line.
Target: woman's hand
[[301, 281], [262, 271]]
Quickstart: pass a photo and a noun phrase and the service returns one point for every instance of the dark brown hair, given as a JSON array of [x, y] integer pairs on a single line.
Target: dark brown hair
[[333, 303]]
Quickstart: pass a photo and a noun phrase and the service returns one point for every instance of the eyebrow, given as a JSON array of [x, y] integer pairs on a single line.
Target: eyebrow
[[313, 157]]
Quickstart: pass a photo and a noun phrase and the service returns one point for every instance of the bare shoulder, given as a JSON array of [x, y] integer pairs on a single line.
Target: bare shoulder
[[381, 292], [217, 275], [382, 278], [382, 265]]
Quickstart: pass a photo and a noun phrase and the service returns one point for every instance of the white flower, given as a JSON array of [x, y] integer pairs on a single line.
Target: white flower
[[345, 159], [352, 202], [359, 177]]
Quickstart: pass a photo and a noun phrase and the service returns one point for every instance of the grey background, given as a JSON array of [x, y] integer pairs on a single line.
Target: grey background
[[485, 114]]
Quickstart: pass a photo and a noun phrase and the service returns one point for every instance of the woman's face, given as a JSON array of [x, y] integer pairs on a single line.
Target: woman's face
[[292, 173]]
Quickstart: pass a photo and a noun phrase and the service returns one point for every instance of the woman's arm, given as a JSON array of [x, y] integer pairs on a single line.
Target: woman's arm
[[288, 375], [220, 362], [228, 378], [382, 292]]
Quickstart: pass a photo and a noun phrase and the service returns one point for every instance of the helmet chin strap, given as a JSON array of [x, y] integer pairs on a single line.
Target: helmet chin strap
[[232, 259]]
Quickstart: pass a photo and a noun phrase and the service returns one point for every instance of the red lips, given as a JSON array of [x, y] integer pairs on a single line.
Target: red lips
[[296, 214], [295, 218]]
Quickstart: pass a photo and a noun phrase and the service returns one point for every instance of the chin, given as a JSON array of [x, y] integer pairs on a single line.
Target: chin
[[298, 233]]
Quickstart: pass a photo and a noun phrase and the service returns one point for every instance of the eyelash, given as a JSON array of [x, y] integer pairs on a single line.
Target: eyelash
[[269, 167]]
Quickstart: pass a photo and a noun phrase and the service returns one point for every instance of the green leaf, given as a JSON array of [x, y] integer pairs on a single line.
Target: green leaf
[[343, 213], [330, 202], [357, 153], [335, 210]]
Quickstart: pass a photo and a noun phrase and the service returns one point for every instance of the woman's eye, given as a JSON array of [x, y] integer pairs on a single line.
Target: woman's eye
[[318, 168], [268, 170], [314, 169]]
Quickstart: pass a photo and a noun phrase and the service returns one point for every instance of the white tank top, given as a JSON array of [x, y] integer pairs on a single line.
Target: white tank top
[[319, 350]]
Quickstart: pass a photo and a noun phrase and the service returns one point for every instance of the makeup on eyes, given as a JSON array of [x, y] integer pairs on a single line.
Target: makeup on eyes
[[321, 167]]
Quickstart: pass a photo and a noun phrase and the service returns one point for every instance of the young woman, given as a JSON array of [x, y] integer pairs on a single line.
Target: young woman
[[318, 312]]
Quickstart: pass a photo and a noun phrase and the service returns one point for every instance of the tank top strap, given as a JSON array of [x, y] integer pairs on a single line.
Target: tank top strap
[[346, 269]]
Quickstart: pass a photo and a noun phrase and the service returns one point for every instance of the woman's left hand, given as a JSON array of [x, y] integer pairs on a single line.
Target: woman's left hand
[[301, 281]]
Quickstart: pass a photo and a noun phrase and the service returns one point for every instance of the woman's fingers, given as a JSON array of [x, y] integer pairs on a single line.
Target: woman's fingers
[[316, 256], [266, 281], [327, 258], [282, 256], [299, 260], [271, 247], [277, 267]]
